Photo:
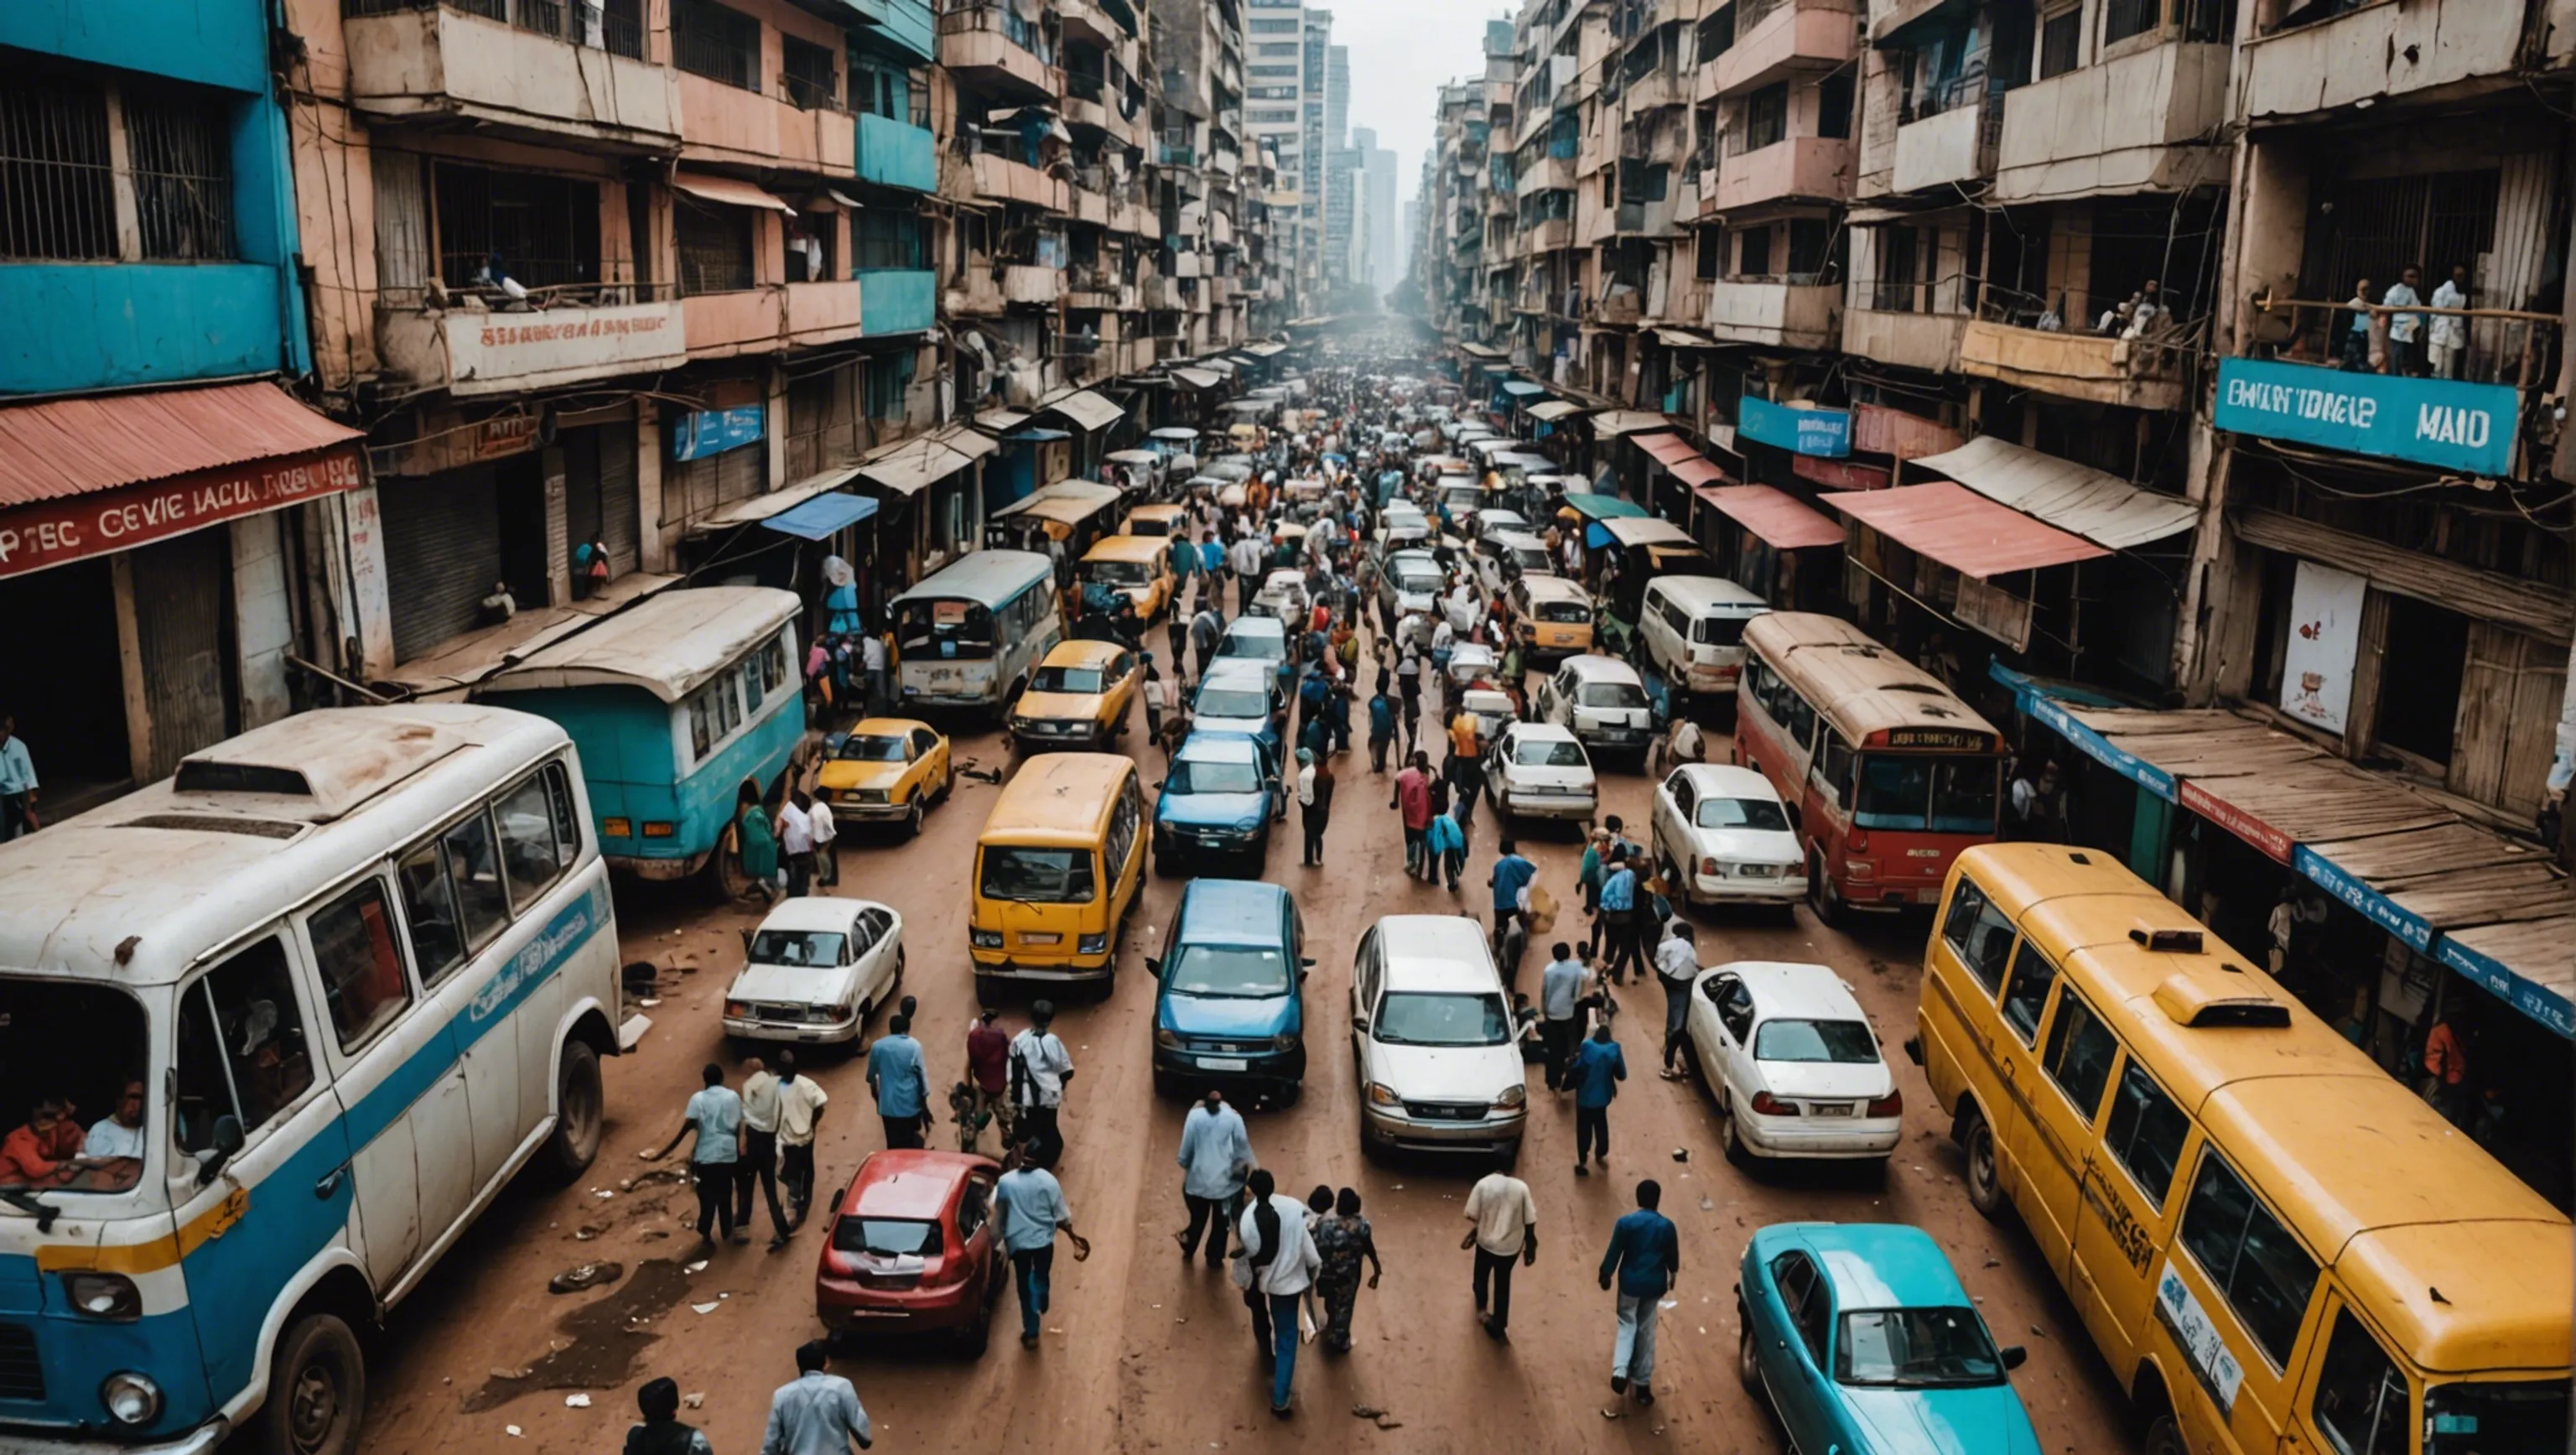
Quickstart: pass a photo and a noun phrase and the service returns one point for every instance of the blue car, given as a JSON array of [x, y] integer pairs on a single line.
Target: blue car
[[1864, 1342], [1241, 697], [1218, 801], [1229, 1008]]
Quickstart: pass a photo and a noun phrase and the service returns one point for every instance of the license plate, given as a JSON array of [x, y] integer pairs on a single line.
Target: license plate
[[1048, 937], [1832, 1109], [1224, 1063]]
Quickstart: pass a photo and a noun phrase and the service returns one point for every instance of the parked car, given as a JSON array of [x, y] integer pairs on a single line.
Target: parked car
[[1432, 1039], [1241, 695], [1078, 697], [1505, 556], [1794, 1065], [1409, 581], [1219, 798], [1229, 1004], [1602, 699], [1862, 1341], [1722, 836], [1260, 638], [814, 970], [1282, 595], [1539, 770], [912, 1251], [887, 770]]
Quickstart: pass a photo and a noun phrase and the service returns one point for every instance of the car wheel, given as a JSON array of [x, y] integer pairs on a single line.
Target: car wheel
[[1976, 1138], [1738, 1151], [1166, 1085], [948, 783], [1748, 1355], [2164, 1437], [317, 1391], [912, 819], [569, 1152]]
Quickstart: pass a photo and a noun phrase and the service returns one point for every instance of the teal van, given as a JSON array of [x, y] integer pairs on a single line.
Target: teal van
[[675, 704]]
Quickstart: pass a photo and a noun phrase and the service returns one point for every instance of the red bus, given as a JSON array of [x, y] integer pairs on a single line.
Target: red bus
[[1887, 774]]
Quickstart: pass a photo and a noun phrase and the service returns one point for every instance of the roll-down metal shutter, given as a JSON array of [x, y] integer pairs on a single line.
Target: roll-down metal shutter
[[442, 554], [180, 612]]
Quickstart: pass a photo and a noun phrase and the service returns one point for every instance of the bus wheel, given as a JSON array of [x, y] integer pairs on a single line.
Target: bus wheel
[[1985, 1177], [569, 1152], [2164, 1437], [317, 1391], [1828, 906], [726, 880]]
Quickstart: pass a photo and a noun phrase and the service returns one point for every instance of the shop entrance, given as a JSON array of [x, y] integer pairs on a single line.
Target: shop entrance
[[63, 683]]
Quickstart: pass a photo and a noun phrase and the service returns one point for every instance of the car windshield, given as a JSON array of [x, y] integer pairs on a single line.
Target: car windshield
[[1233, 702], [1531, 558], [1461, 1018], [1213, 775], [1739, 813], [1119, 573], [886, 1237], [72, 1056], [2493, 1419], [1261, 647], [1567, 613], [1916, 1348], [949, 630], [1227, 970], [1038, 876], [1065, 679], [871, 748], [1719, 631], [1945, 795], [1846, 1043], [1610, 694], [1547, 753], [796, 947], [1423, 583]]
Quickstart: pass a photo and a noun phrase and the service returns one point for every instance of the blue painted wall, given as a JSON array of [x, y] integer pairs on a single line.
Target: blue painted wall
[[897, 300], [211, 42], [904, 26], [896, 153]]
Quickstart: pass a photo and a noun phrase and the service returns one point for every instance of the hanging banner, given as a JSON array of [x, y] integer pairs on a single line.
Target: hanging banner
[[1801, 431], [704, 432], [2441, 422], [2324, 638]]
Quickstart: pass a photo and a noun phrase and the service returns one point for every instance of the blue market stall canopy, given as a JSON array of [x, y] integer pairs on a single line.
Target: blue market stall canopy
[[1601, 507], [2491, 908], [819, 518]]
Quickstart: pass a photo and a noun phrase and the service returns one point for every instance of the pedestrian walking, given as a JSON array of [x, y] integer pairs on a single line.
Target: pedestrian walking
[[17, 782], [827, 842], [1040, 1069], [1157, 694], [1677, 966], [1342, 1240], [1207, 632], [759, 1162], [714, 1118], [801, 1100], [796, 842], [1589, 875], [901, 1084], [987, 1084], [1645, 1259], [1032, 1207], [661, 1433], [755, 843], [1509, 878], [1413, 800], [1445, 842], [1560, 995], [1315, 783], [817, 1413], [1504, 1229], [1599, 1067], [1274, 1267], [1381, 711], [1216, 1156], [1619, 920], [872, 664]]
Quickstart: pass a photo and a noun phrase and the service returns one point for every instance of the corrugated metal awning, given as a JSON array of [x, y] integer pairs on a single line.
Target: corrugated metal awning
[[1775, 516], [1553, 410], [728, 191], [1616, 422], [1646, 530], [907, 466], [1000, 421], [1196, 378], [786, 497], [823, 516], [1964, 530], [1682, 338], [2094, 504], [1265, 350], [68, 447], [1086, 409], [1601, 507]]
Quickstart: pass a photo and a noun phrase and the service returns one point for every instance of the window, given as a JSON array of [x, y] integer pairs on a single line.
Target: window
[[1834, 105], [362, 972], [483, 905], [1288, 71], [887, 239], [720, 44], [887, 378], [1275, 48], [1039, 876], [1809, 238], [240, 1049], [1978, 934], [1842, 1043], [1766, 117], [813, 81], [715, 247], [538, 229], [1716, 34], [1272, 27], [1753, 253], [429, 907], [59, 196], [2080, 1052], [2026, 993], [1709, 254], [1807, 1300], [532, 853], [2061, 37], [180, 157], [2124, 18], [1916, 1348], [883, 90], [2361, 1398], [2146, 1133], [2258, 1267]]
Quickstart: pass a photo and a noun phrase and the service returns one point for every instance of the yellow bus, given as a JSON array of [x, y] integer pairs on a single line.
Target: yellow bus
[[1057, 871], [2276, 1246]]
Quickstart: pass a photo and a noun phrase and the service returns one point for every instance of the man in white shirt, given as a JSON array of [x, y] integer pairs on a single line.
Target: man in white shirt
[[872, 662], [1244, 559], [796, 843], [801, 1100], [1040, 1067], [1279, 1263], [1505, 1219], [2450, 332], [1676, 965], [827, 846], [759, 1162], [115, 1141], [2405, 330]]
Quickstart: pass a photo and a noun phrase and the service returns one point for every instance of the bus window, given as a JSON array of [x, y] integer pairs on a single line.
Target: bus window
[[2258, 1267], [948, 630], [2080, 1052], [751, 685], [2146, 1134], [1836, 768], [1978, 934], [68, 1051], [240, 1047], [2362, 1401], [1895, 792], [2027, 991], [567, 822], [1800, 720], [529, 848], [429, 906], [362, 972], [476, 872], [1964, 798]]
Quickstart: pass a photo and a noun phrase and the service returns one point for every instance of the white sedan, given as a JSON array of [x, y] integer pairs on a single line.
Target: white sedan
[[1283, 594], [1794, 1064], [1539, 770], [814, 970], [1722, 835]]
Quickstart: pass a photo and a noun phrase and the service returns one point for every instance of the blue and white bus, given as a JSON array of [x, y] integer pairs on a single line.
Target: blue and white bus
[[969, 636], [273, 1032]]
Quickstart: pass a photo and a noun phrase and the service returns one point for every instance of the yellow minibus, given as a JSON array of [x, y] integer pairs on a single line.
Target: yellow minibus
[[1057, 870]]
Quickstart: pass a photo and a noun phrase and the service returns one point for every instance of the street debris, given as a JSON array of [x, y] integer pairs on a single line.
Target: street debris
[[588, 1275]]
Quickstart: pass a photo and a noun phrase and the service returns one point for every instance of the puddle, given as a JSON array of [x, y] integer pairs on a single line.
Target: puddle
[[598, 1344]]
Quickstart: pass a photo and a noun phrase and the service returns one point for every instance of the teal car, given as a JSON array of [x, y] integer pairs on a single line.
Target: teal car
[[1217, 803], [1864, 1343]]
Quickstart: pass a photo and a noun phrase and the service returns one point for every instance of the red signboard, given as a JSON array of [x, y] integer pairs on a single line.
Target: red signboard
[[1879, 430], [1840, 474], [2236, 821], [51, 532]]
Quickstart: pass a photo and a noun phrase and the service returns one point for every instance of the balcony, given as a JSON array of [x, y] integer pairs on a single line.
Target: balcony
[[982, 48], [1110, 24], [897, 300], [895, 153], [1778, 312], [975, 291], [1132, 217], [2132, 124], [1032, 284], [1001, 179], [1813, 168], [727, 125], [772, 317], [1794, 38], [1090, 206], [2137, 373], [471, 353], [112, 325], [1957, 145], [1656, 89], [1927, 341], [1619, 309], [438, 64], [1547, 174], [2380, 52]]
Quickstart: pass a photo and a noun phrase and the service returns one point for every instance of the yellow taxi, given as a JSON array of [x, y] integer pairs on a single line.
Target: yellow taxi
[[887, 769], [1162, 521], [1554, 616], [1077, 698], [1141, 566]]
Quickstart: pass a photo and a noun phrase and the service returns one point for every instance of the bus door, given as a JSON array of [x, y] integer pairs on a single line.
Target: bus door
[[2123, 1219], [2052, 1141], [243, 1044]]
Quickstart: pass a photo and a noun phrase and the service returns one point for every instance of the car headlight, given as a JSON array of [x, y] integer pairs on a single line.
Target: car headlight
[[1168, 1039], [104, 1295], [1021, 725], [985, 939], [1250, 825], [131, 1398], [1091, 944], [1284, 1041], [1381, 1094], [739, 1010], [1512, 1099], [827, 1013]]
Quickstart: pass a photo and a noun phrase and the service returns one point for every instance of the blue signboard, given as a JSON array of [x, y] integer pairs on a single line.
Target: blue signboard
[[2443, 422], [2536, 1001], [1823, 432], [713, 431]]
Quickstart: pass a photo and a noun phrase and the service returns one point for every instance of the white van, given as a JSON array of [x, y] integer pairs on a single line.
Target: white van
[[1693, 628], [1432, 1038], [1603, 701], [316, 998]]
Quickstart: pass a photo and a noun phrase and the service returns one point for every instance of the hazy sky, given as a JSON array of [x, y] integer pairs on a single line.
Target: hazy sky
[[1401, 52]]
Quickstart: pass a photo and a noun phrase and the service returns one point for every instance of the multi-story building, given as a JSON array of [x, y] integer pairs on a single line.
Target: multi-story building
[[1380, 266], [1274, 42], [1313, 146]]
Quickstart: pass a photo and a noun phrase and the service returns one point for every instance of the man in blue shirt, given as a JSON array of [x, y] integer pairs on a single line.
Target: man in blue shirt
[[714, 1117], [1381, 710], [1031, 1205], [1511, 875], [1646, 1256], [1216, 1155], [17, 781], [901, 1085], [1599, 1067], [1560, 1011], [818, 1413], [1619, 920]]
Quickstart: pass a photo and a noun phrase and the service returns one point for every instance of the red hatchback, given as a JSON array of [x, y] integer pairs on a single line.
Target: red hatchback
[[912, 1248]]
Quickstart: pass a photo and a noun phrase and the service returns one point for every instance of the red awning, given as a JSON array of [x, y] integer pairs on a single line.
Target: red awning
[[1676, 454], [67, 447], [1664, 445], [1698, 472], [1840, 474], [1774, 515], [1961, 529]]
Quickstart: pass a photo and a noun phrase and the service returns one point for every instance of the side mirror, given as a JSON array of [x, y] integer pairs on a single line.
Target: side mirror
[[1359, 1022], [1305, 962], [1154, 966], [228, 1143], [2013, 1355]]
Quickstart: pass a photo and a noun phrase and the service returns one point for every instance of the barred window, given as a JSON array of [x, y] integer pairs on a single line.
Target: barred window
[[887, 239], [179, 154], [2124, 18], [813, 83], [58, 192], [720, 44], [715, 247], [539, 229], [57, 187]]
